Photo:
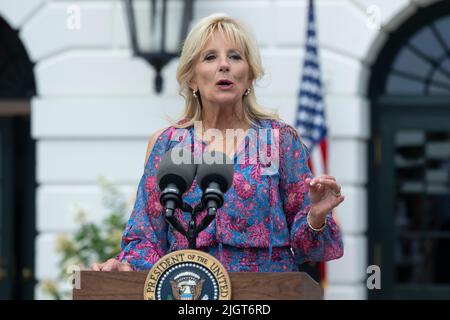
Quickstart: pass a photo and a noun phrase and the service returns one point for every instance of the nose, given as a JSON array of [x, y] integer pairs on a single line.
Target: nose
[[224, 65]]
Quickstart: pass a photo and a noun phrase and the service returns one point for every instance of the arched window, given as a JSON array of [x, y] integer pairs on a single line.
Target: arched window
[[16, 69], [415, 60]]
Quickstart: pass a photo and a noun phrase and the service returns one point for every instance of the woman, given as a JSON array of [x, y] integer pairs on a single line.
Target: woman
[[269, 222]]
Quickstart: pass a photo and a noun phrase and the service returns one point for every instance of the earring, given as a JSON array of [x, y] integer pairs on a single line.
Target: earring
[[194, 93], [247, 92]]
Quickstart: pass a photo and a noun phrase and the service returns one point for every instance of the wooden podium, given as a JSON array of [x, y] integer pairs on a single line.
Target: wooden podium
[[101, 285]]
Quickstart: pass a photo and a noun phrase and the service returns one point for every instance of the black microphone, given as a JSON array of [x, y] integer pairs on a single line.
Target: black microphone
[[214, 179], [174, 178]]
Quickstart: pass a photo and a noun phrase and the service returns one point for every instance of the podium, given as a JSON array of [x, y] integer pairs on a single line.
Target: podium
[[102, 285]]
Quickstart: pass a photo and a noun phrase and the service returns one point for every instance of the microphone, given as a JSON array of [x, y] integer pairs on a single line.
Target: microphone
[[214, 179], [173, 180]]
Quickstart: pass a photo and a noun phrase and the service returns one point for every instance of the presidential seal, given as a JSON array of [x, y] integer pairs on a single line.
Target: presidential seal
[[187, 275]]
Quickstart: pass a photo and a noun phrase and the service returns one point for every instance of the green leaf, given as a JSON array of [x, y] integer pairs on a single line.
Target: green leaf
[[93, 242]]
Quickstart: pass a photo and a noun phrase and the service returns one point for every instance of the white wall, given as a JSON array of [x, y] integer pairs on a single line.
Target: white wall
[[96, 107]]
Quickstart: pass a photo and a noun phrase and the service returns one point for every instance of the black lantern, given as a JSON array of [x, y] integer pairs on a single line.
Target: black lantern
[[157, 29]]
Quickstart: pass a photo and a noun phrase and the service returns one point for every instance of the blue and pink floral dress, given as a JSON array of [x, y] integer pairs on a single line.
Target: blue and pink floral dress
[[262, 225]]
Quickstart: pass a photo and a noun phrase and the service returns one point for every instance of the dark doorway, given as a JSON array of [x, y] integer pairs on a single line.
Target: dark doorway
[[17, 169]]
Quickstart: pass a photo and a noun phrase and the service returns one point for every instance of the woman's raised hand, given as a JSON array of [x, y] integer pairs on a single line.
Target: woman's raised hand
[[325, 195]]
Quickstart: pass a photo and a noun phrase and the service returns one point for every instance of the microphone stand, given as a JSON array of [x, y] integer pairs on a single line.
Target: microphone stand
[[192, 230]]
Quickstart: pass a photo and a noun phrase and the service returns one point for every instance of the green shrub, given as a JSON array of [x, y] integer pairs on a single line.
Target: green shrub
[[90, 242]]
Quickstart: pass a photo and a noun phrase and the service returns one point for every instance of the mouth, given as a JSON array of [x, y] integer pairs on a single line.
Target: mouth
[[224, 84]]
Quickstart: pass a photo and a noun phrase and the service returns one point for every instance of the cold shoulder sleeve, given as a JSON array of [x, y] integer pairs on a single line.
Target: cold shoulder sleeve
[[308, 245], [144, 240]]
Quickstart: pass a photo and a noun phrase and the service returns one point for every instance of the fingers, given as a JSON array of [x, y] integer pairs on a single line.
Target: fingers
[[97, 266], [112, 265], [325, 176], [125, 267], [317, 182], [338, 200]]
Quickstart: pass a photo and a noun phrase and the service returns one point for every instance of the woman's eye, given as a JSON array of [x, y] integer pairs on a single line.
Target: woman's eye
[[210, 57], [236, 57]]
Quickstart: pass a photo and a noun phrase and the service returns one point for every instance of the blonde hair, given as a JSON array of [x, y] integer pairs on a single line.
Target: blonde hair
[[233, 31]]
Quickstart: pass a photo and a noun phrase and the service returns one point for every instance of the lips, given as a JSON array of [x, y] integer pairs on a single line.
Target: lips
[[224, 84]]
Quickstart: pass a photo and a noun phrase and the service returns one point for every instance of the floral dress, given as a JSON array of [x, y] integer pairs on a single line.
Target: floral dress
[[262, 225]]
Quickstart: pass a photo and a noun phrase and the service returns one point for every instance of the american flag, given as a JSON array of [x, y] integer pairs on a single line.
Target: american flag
[[310, 120]]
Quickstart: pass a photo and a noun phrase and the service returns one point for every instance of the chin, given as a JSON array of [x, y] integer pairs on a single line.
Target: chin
[[227, 100], [223, 97]]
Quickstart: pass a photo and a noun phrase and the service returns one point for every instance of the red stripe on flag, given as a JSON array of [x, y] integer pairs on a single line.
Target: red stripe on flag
[[323, 145], [324, 152]]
